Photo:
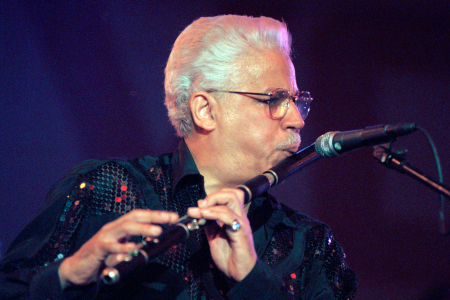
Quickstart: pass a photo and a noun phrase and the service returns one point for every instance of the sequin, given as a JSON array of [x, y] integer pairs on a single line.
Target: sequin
[[116, 190], [98, 199]]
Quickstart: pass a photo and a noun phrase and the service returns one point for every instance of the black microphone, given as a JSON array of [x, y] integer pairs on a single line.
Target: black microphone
[[334, 143]]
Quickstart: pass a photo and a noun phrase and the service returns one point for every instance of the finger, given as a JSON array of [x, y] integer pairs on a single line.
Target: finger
[[224, 196], [131, 228], [115, 247], [114, 259], [150, 216], [137, 222], [225, 219], [126, 251], [123, 231], [220, 213], [232, 198], [219, 229]]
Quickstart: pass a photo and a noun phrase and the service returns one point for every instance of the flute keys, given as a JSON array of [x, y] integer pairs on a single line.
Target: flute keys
[[149, 240], [193, 225]]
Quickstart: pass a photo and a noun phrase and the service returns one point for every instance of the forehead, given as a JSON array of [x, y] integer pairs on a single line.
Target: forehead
[[266, 72]]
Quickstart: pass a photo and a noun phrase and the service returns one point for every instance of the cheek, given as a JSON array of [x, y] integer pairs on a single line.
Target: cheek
[[253, 130], [232, 116], [261, 138]]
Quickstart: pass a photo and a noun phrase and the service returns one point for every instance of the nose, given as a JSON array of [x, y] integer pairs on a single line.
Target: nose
[[292, 119]]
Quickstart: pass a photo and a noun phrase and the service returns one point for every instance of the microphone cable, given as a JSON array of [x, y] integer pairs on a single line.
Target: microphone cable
[[443, 227]]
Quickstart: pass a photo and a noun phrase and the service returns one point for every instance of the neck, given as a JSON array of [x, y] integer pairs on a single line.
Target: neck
[[218, 173]]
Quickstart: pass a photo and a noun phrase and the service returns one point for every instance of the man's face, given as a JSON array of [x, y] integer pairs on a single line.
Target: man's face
[[253, 140]]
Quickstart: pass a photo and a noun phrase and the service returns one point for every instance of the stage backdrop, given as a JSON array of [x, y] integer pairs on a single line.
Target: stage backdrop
[[84, 79]]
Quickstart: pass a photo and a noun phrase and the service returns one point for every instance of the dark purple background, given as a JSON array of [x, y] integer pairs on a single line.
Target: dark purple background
[[84, 79]]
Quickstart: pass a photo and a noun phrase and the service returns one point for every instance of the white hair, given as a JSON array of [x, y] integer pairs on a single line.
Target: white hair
[[206, 57]]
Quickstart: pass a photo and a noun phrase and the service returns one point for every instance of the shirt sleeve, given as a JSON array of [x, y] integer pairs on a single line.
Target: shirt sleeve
[[33, 250], [324, 273], [76, 207], [261, 283], [312, 269]]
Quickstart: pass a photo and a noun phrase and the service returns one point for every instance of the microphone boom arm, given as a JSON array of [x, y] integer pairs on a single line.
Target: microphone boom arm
[[256, 186], [401, 165]]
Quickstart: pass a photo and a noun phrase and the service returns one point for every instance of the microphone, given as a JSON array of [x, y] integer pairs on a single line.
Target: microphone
[[335, 143]]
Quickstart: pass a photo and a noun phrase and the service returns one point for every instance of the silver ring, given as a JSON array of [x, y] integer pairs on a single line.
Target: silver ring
[[235, 226]]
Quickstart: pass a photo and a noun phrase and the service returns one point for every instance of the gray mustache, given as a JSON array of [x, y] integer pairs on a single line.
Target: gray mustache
[[293, 139]]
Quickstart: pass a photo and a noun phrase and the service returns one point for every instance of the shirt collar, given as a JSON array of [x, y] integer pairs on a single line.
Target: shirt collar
[[183, 165]]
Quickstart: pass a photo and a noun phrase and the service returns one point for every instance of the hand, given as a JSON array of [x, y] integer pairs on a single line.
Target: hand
[[107, 247], [233, 252]]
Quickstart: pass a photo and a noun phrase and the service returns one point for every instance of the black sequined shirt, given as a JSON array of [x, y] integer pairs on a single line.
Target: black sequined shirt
[[298, 257]]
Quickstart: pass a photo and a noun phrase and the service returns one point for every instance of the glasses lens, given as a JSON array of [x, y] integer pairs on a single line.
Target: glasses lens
[[303, 103], [279, 103]]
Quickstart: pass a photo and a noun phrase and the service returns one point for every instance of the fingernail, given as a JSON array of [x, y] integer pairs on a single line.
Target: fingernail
[[131, 248], [120, 257], [128, 257], [201, 203], [193, 209]]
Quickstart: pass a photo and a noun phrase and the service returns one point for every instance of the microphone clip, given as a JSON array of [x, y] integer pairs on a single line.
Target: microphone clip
[[385, 155]]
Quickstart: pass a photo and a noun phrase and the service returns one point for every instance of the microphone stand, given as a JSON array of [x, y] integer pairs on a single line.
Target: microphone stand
[[398, 163]]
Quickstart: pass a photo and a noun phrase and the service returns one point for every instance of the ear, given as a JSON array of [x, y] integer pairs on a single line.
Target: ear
[[203, 105]]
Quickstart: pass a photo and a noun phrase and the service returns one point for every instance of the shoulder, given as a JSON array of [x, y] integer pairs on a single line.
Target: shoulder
[[320, 247], [301, 220], [317, 236], [315, 233], [103, 173], [137, 166], [132, 165]]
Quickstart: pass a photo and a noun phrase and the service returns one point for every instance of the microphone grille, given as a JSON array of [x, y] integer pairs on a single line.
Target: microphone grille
[[324, 144]]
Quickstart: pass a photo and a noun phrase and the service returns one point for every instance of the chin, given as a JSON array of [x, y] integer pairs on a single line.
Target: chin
[[286, 154], [280, 156]]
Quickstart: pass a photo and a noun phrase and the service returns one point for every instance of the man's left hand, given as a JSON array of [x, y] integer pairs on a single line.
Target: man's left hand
[[232, 251]]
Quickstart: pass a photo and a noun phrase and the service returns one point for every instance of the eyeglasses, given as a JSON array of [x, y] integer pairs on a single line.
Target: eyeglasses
[[279, 101]]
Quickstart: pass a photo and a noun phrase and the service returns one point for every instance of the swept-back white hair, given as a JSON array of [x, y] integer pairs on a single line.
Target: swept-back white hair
[[206, 56]]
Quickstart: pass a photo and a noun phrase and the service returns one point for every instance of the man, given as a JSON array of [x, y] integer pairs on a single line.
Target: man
[[229, 81]]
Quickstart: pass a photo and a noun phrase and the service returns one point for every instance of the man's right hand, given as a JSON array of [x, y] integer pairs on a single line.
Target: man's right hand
[[109, 245]]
